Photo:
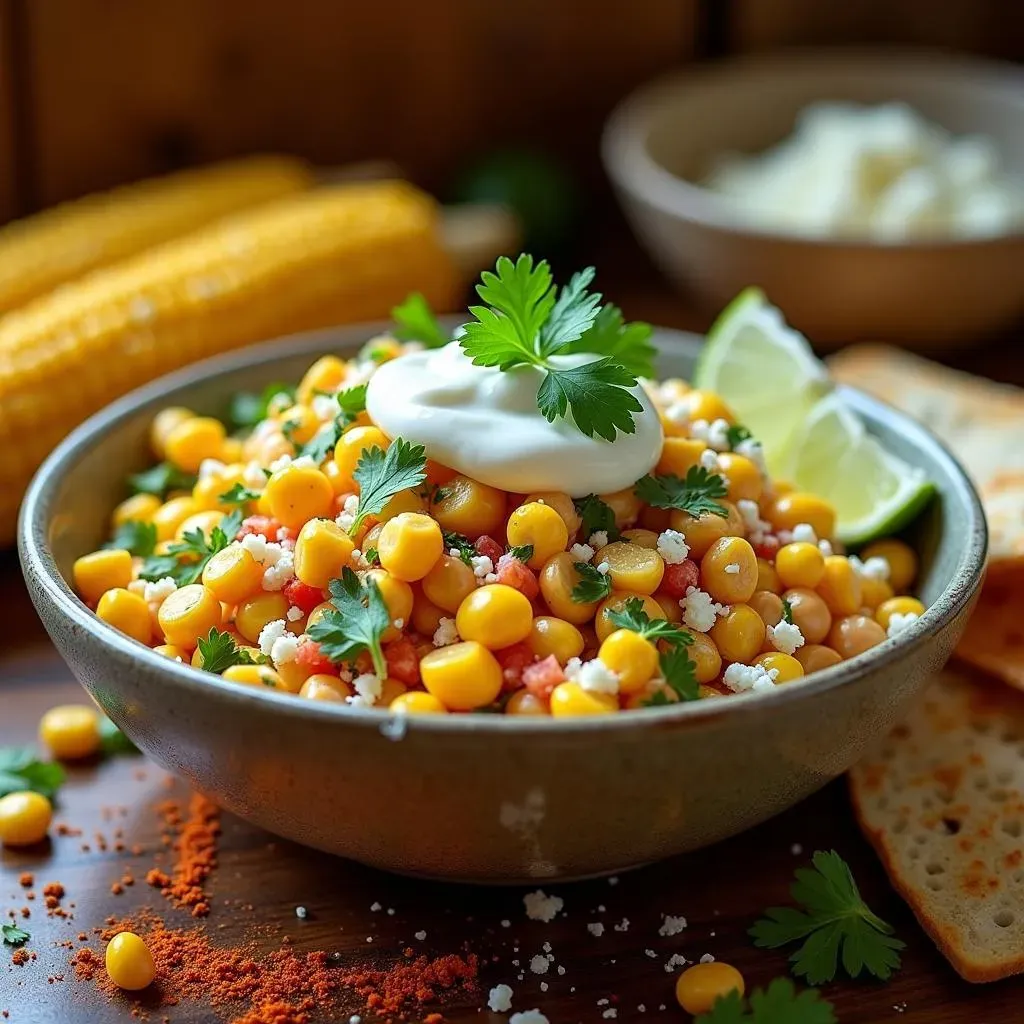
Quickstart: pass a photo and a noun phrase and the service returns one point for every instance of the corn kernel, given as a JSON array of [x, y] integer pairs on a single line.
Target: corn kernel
[[193, 440], [188, 614], [326, 374], [739, 634], [416, 702], [296, 494], [171, 514], [901, 558], [699, 987], [321, 686], [897, 606], [138, 508], [350, 448], [96, 573], [569, 700], [495, 615], [448, 583], [255, 612], [728, 570], [557, 580], [840, 586], [615, 602], [253, 675], [469, 507], [743, 476], [127, 612], [787, 667], [553, 636], [24, 818], [71, 731], [632, 658], [129, 962], [540, 526], [322, 550], [679, 455], [163, 423], [462, 676], [633, 567], [232, 574], [410, 545], [800, 565], [790, 510]]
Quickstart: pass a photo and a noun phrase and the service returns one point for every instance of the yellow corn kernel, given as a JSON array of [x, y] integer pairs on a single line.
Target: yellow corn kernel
[[340, 483], [426, 616], [632, 567], [787, 667], [24, 818], [706, 405], [232, 574], [569, 700], [625, 505], [171, 651], [897, 606], [322, 686], [390, 691], [704, 692], [462, 676], [495, 616], [138, 508], [743, 476], [557, 580], [768, 577], [768, 606], [679, 455], [739, 634], [326, 374], [800, 565], [188, 614], [299, 423], [562, 504], [854, 634], [469, 507], [523, 702], [615, 602], [170, 515], [416, 702], [293, 675], [318, 613], [71, 731], [207, 491], [253, 675], [632, 658], [193, 440], [702, 532], [810, 614], [640, 538], [163, 423], [704, 654], [874, 592], [100, 571], [550, 635], [398, 597], [649, 692], [840, 586], [255, 612], [699, 987], [728, 570], [410, 545], [815, 657], [540, 526], [670, 609], [127, 612], [790, 510], [408, 500], [901, 558], [202, 521], [129, 962], [449, 582], [322, 550], [296, 494], [350, 447]]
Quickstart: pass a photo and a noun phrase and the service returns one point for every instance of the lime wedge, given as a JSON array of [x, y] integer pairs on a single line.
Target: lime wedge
[[765, 371]]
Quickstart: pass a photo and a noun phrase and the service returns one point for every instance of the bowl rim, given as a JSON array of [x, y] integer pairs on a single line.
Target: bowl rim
[[40, 568], [631, 167]]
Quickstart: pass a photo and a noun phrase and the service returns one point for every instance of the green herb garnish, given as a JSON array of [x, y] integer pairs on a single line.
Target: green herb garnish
[[136, 537], [737, 434], [219, 651], [632, 616], [113, 741], [238, 495], [693, 495], [593, 585], [21, 769], [161, 479], [13, 935], [461, 544], [680, 672], [382, 474], [248, 408], [523, 553], [359, 620], [596, 516], [787, 611], [372, 556], [780, 1003], [628, 344], [186, 559], [351, 402], [416, 322]]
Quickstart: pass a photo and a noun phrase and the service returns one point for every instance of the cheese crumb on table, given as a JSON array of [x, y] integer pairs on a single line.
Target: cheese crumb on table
[[672, 925], [499, 999], [540, 964], [528, 1017], [541, 907], [596, 928]]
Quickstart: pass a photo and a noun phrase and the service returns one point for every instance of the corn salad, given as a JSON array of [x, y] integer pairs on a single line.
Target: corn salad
[[258, 554]]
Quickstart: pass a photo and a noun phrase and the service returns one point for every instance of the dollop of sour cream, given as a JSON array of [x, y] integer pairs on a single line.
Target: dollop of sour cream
[[484, 423]]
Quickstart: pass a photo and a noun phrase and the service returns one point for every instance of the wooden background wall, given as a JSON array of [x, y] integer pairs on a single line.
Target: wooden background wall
[[97, 92]]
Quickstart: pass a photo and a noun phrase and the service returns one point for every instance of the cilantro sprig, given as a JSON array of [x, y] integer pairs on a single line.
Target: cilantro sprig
[[594, 585], [694, 495], [596, 516], [680, 672], [523, 553], [461, 544], [416, 322], [527, 321], [219, 651], [632, 616], [787, 611], [13, 935], [779, 1003], [238, 494], [737, 434], [351, 402], [835, 924], [21, 769], [186, 559], [382, 474], [356, 624], [136, 537], [160, 480]]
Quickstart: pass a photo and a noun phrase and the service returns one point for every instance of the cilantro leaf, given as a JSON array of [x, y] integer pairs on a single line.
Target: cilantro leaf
[[628, 344], [382, 474], [593, 585], [21, 769], [679, 671], [357, 623], [571, 315], [246, 408], [632, 616], [186, 559], [523, 553], [113, 741], [416, 322], [351, 402], [219, 651], [238, 495], [737, 434], [13, 935], [372, 556], [834, 922], [160, 479], [780, 1003], [787, 611], [463, 545], [693, 495], [595, 393], [136, 537], [596, 516]]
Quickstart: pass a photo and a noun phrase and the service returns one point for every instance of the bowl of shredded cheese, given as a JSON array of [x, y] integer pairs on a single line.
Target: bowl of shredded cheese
[[872, 194]]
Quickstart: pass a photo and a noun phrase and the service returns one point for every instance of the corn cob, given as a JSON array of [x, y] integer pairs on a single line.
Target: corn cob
[[324, 257], [41, 252]]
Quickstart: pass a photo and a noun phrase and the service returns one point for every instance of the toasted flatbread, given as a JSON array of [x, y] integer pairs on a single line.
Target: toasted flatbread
[[942, 801], [994, 638]]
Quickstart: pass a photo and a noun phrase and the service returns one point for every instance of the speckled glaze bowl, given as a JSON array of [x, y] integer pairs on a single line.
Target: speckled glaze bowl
[[482, 798]]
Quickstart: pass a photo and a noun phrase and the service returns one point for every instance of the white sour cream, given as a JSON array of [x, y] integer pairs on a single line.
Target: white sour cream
[[485, 423]]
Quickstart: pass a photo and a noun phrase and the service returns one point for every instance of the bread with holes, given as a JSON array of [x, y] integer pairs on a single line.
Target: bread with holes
[[941, 799]]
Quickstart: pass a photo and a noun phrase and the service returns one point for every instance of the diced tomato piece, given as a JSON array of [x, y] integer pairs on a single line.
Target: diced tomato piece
[[543, 676], [264, 526], [311, 656], [403, 662], [302, 595], [679, 577], [513, 573], [513, 660], [767, 547], [490, 547]]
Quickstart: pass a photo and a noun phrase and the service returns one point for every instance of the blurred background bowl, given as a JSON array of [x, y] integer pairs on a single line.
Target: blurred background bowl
[[665, 137]]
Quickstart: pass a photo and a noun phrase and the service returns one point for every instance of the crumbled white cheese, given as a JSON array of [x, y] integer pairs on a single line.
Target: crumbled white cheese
[[899, 622], [610, 1014], [138, 587], [499, 999], [603, 568], [674, 961], [285, 649], [594, 675], [753, 450], [482, 566], [420, 936], [825, 547], [672, 547], [876, 568], [281, 572], [325, 407], [210, 467], [540, 964], [596, 928], [678, 413], [699, 610], [368, 686], [598, 539], [156, 593], [672, 926], [714, 435], [785, 637], [281, 462], [528, 1017], [253, 477], [304, 462], [267, 553], [581, 552], [733, 568], [757, 527], [707, 958], [446, 633], [294, 614], [749, 677], [347, 517], [541, 907], [803, 533], [623, 925], [271, 632], [709, 460]]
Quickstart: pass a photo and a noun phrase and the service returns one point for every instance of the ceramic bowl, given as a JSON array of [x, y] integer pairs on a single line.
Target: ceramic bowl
[[664, 138], [483, 798]]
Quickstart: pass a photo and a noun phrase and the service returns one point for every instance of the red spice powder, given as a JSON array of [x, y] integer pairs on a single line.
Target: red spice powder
[[54, 889], [20, 957], [26, 879], [194, 840]]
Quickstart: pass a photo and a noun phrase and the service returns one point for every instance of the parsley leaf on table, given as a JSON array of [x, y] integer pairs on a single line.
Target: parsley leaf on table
[[13, 935], [523, 553], [113, 741], [136, 537], [21, 769], [219, 651], [627, 344], [834, 922], [186, 559], [248, 408], [680, 672], [596, 516], [632, 616], [160, 479], [736, 434], [693, 495], [382, 474], [357, 623], [416, 322], [239, 494], [598, 395], [463, 545], [780, 1003], [593, 585]]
